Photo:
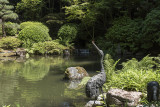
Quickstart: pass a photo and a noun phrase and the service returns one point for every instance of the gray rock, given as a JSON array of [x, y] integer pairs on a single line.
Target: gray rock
[[21, 52], [94, 103], [75, 73], [121, 97]]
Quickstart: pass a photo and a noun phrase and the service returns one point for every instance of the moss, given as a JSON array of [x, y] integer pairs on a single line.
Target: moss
[[82, 70]]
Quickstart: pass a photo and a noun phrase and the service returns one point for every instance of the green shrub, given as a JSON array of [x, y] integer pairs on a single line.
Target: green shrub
[[10, 42], [150, 30], [29, 23], [134, 74], [48, 47], [11, 28], [33, 34], [125, 32], [133, 79], [67, 33]]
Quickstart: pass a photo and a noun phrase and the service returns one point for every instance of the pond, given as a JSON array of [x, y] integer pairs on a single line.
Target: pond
[[38, 81]]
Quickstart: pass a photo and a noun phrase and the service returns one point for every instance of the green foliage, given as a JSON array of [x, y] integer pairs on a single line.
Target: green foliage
[[133, 79], [6, 13], [6, 10], [146, 63], [134, 75], [150, 31], [110, 66], [10, 42], [11, 28], [30, 9], [31, 23], [54, 21], [33, 34], [67, 33], [48, 47], [84, 81], [126, 32]]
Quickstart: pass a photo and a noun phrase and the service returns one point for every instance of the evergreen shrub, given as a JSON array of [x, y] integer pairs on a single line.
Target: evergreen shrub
[[125, 32], [10, 43], [33, 34], [31, 23], [67, 33], [150, 30], [48, 47], [11, 28]]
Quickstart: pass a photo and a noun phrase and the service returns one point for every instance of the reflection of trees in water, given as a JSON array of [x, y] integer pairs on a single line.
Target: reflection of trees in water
[[7, 84], [46, 93], [37, 88], [34, 70], [10, 66]]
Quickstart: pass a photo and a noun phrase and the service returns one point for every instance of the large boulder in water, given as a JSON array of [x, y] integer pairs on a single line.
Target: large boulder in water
[[73, 73], [121, 97]]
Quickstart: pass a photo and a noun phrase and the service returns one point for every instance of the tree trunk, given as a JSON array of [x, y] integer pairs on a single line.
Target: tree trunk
[[3, 29]]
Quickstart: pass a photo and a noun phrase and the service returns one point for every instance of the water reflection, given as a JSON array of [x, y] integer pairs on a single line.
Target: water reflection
[[38, 82]]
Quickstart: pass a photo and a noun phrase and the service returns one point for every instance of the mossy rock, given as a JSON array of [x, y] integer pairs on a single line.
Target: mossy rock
[[75, 73]]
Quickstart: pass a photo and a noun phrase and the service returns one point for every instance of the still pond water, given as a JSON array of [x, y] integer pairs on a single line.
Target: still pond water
[[38, 81]]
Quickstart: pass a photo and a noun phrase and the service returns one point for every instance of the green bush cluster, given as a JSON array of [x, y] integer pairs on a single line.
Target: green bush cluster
[[134, 35], [134, 74], [33, 34], [125, 32], [31, 23], [48, 47], [10, 43], [11, 28], [150, 29], [67, 33]]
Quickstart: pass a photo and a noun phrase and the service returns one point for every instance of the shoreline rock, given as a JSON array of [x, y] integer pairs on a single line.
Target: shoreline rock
[[75, 73]]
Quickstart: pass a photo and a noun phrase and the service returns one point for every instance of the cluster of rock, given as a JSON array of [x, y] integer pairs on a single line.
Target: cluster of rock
[[118, 97], [17, 52]]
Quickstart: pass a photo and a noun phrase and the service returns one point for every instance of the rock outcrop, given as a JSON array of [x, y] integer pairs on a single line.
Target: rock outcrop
[[121, 97]]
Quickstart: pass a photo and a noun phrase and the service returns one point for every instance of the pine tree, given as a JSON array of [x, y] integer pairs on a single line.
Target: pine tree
[[6, 13]]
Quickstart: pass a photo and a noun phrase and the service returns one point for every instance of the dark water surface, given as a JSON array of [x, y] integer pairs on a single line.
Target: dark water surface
[[38, 81]]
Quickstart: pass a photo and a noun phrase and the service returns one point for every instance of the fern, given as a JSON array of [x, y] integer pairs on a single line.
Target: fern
[[145, 64], [110, 66]]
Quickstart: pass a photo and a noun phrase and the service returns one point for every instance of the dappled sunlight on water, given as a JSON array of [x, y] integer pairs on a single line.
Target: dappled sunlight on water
[[38, 81]]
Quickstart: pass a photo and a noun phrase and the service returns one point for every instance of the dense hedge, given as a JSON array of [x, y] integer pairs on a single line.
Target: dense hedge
[[10, 43]]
